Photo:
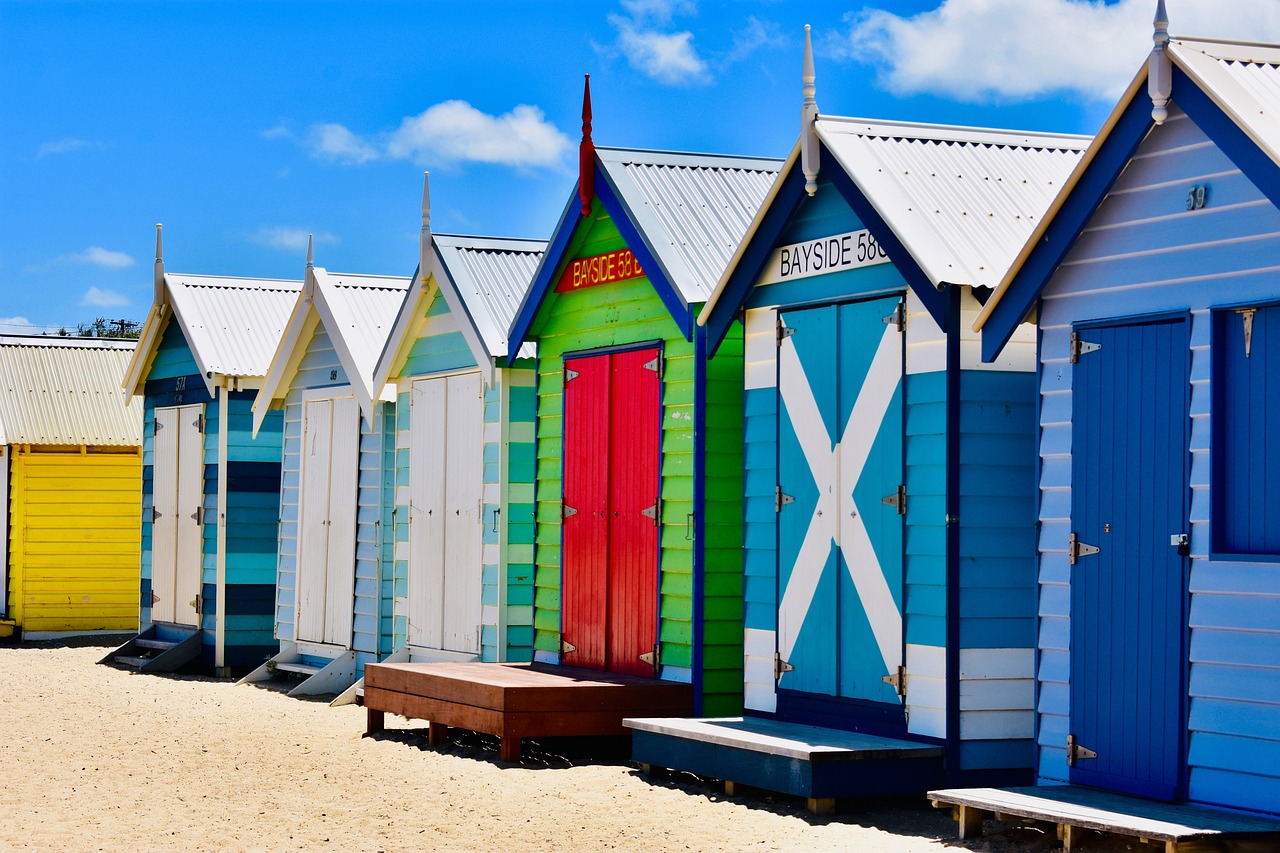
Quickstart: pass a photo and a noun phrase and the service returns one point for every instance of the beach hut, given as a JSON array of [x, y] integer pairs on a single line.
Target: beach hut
[[889, 477], [208, 578], [333, 575], [70, 469], [1152, 283], [464, 452], [639, 467]]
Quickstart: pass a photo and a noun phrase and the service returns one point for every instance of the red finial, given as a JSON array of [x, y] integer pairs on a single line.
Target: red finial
[[586, 153]]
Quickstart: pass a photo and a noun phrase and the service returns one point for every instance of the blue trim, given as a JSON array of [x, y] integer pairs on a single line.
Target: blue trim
[[545, 276], [699, 509], [1024, 289], [1227, 135], [613, 349], [933, 300], [738, 286], [952, 327]]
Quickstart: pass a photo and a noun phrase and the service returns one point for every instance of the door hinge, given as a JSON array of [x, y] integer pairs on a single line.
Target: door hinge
[[1079, 347], [783, 332], [198, 604], [654, 364], [570, 374], [566, 511], [780, 666], [150, 513], [898, 500], [898, 679], [566, 646], [1247, 315], [897, 318], [159, 425], [653, 658], [1077, 549], [199, 423], [780, 500], [1076, 752], [198, 515], [654, 512], [150, 599]]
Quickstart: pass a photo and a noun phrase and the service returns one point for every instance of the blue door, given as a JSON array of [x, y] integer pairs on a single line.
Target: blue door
[[839, 542], [1129, 497]]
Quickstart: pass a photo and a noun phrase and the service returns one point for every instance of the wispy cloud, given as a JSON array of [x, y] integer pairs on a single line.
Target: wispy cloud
[[753, 36], [668, 57], [94, 256], [288, 239], [62, 146], [658, 11], [101, 298], [23, 326], [1011, 50], [335, 142]]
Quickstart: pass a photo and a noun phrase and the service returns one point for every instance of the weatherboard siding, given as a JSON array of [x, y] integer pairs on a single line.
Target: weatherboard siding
[[1141, 253]]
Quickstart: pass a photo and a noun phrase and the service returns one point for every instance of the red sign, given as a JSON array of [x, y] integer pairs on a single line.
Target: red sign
[[599, 269]]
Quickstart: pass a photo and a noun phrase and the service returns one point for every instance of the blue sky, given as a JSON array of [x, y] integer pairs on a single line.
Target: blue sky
[[244, 126]]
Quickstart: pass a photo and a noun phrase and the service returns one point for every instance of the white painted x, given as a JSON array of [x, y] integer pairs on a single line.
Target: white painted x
[[836, 471]]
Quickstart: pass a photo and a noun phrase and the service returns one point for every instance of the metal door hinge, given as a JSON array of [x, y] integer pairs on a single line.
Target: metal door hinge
[[1076, 752], [897, 318], [198, 515], [150, 514], [780, 500], [898, 679], [783, 332], [570, 373], [198, 604], [566, 646], [780, 666], [1079, 347], [566, 511], [654, 512], [1246, 314], [1077, 549], [150, 599], [199, 423], [159, 425], [654, 657], [898, 499], [654, 364]]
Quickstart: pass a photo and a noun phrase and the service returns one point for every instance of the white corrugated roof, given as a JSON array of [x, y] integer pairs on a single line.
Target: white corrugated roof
[[66, 391], [490, 277], [232, 324], [962, 200], [693, 209], [1242, 78], [362, 312]]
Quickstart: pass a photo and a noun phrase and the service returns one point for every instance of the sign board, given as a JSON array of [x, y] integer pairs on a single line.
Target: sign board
[[824, 255], [599, 269]]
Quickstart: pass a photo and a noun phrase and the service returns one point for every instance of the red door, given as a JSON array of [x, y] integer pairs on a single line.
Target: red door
[[612, 430]]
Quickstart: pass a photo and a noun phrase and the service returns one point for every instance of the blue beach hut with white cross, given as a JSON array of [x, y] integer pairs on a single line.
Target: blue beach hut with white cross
[[889, 524]]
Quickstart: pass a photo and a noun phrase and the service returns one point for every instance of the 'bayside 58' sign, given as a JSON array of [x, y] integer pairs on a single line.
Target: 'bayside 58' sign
[[825, 255], [599, 269]]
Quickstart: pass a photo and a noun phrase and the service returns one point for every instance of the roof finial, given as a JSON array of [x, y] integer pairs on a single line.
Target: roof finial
[[1159, 66], [309, 277], [808, 115], [424, 241], [158, 280], [586, 153]]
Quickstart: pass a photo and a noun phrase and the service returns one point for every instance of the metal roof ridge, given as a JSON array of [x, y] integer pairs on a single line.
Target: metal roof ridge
[[960, 133], [67, 341], [480, 238], [656, 157], [248, 280], [1193, 41]]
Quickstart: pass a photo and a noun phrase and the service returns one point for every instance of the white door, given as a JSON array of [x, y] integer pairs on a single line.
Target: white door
[[446, 486], [327, 520], [177, 498]]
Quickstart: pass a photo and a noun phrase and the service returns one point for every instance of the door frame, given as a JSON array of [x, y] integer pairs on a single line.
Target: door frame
[[653, 343], [1184, 633]]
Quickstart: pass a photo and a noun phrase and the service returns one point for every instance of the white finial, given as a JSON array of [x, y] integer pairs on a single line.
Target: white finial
[[158, 280], [309, 277], [424, 242], [808, 115], [1159, 66]]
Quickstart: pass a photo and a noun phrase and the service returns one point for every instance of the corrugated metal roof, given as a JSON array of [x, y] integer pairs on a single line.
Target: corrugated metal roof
[[1243, 78], [491, 276], [364, 309], [232, 324], [693, 209], [962, 200], [66, 391]]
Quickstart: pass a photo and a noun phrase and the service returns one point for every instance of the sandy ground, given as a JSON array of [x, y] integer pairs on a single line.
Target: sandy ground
[[97, 758]]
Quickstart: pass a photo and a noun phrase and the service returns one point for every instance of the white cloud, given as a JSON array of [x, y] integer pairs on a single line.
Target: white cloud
[[335, 142], [288, 239], [62, 146], [280, 131], [456, 131], [658, 11], [100, 257], [993, 50], [101, 298], [754, 35], [666, 57], [23, 326]]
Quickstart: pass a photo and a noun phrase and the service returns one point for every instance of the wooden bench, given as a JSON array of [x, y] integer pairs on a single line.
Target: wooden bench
[[1075, 809], [515, 700]]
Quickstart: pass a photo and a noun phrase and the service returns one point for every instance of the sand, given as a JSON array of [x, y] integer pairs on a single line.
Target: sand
[[98, 758]]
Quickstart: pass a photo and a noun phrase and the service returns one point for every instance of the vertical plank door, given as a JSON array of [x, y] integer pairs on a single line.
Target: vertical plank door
[[177, 497]]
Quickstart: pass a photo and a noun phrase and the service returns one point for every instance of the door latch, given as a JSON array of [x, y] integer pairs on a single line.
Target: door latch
[[1182, 542]]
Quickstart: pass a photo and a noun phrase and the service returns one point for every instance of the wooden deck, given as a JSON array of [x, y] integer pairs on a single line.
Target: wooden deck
[[516, 700], [1074, 809], [805, 761]]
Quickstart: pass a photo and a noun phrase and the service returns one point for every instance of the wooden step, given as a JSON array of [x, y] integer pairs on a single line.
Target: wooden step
[[143, 643], [300, 668], [134, 662]]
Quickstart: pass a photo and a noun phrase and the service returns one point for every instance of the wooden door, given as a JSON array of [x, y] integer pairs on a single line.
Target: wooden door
[[177, 502], [446, 485], [840, 534], [612, 511], [327, 521], [1129, 452]]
